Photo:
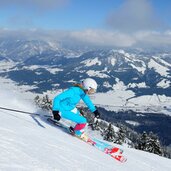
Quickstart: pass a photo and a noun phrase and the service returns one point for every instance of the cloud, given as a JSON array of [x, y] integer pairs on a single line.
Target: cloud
[[144, 39], [153, 38], [135, 15], [102, 38], [94, 38], [33, 4]]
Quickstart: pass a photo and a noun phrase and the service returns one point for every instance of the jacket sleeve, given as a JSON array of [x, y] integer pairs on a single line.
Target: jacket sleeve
[[56, 102], [88, 102]]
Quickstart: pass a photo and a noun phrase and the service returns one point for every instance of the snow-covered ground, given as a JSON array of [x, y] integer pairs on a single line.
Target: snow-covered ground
[[29, 143], [124, 100]]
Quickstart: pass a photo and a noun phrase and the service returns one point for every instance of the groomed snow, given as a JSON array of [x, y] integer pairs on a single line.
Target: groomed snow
[[29, 143]]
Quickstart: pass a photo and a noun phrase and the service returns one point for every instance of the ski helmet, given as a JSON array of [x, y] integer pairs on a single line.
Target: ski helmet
[[89, 83]]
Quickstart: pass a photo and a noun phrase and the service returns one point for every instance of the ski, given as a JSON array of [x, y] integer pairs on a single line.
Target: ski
[[111, 150], [114, 152]]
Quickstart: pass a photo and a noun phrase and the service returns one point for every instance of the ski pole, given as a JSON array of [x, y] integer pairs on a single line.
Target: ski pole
[[20, 111]]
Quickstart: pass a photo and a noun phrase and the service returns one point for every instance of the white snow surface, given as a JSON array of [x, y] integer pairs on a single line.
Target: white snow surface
[[50, 69], [164, 83], [139, 85], [92, 62], [99, 74], [6, 65], [29, 143], [132, 123], [162, 70]]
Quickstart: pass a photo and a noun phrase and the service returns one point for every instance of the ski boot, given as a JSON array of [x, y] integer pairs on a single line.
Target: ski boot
[[71, 130]]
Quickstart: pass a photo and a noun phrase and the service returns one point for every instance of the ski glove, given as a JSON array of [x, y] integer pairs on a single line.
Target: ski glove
[[56, 115], [97, 114]]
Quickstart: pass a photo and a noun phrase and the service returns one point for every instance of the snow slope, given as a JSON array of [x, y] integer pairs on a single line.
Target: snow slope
[[30, 143]]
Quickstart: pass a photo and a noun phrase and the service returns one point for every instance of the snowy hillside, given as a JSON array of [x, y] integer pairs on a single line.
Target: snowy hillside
[[30, 143]]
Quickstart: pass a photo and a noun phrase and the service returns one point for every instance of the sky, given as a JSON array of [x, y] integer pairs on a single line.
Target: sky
[[123, 23]]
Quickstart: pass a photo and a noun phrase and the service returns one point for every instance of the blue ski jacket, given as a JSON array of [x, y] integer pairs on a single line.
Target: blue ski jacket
[[68, 100]]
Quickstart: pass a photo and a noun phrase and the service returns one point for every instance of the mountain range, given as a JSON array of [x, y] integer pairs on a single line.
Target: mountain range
[[49, 65]]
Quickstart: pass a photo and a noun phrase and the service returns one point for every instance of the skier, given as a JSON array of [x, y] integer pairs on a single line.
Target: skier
[[64, 104]]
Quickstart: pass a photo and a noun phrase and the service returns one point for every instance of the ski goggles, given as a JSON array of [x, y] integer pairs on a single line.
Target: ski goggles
[[91, 91]]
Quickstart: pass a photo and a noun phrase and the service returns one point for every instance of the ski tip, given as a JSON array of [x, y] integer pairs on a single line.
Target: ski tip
[[120, 158]]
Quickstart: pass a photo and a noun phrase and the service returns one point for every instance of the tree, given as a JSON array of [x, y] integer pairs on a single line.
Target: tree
[[95, 124], [142, 141], [37, 100], [109, 133], [150, 142], [45, 103], [121, 135], [154, 144]]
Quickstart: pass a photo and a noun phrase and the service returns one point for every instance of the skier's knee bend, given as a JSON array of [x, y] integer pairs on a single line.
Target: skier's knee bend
[[84, 120], [79, 127], [56, 115]]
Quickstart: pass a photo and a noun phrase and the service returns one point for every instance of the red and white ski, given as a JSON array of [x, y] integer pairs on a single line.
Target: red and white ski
[[114, 152]]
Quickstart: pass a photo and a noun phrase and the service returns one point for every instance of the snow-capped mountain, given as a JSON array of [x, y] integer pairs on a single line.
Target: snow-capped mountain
[[143, 73], [22, 49]]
